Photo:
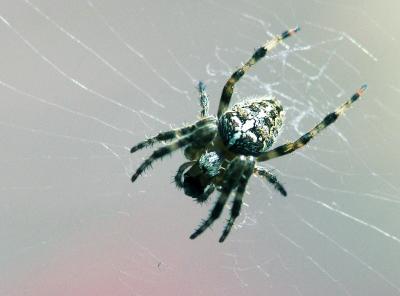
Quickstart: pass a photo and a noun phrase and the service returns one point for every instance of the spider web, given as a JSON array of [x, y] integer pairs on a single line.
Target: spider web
[[81, 81]]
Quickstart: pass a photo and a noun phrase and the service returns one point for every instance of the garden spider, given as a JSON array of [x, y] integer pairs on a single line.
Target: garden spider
[[223, 151]]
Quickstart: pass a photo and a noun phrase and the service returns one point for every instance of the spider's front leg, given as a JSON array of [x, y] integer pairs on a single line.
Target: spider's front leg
[[258, 54], [304, 139], [237, 202], [172, 134], [231, 179], [202, 135]]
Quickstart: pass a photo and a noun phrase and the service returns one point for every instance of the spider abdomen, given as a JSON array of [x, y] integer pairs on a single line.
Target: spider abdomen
[[250, 127]]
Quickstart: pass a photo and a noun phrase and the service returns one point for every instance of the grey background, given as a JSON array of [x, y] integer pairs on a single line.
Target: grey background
[[80, 82]]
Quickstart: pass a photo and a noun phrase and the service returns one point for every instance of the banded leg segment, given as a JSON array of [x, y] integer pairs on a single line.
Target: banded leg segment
[[304, 139], [237, 202], [258, 54], [172, 134], [263, 172], [204, 102], [232, 175], [203, 135]]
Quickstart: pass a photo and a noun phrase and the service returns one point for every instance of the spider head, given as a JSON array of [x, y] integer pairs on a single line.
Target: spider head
[[195, 184], [198, 178]]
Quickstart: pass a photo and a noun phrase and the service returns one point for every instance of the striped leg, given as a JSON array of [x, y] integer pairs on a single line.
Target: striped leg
[[203, 135], [304, 139], [263, 172], [258, 54], [237, 202], [204, 102], [172, 134], [232, 175]]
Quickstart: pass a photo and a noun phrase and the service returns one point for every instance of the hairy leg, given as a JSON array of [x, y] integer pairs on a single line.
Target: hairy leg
[[232, 175], [263, 172], [202, 135], [204, 197], [258, 54], [237, 202], [172, 134], [304, 139]]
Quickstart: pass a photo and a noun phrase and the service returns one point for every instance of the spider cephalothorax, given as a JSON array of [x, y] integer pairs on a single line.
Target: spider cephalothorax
[[223, 151]]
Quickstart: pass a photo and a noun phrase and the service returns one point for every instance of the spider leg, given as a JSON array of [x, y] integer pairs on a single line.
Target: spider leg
[[258, 54], [203, 135], [179, 173], [237, 202], [172, 134], [204, 102], [203, 198], [263, 172], [304, 139], [232, 175]]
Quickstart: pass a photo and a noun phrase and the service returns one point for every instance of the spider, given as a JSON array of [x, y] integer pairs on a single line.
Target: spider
[[224, 151]]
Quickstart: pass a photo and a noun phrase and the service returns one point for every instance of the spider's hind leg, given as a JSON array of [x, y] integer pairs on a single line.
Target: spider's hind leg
[[258, 54], [204, 102], [304, 139]]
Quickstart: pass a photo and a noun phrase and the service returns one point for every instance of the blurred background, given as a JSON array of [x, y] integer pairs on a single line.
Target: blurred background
[[83, 81]]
